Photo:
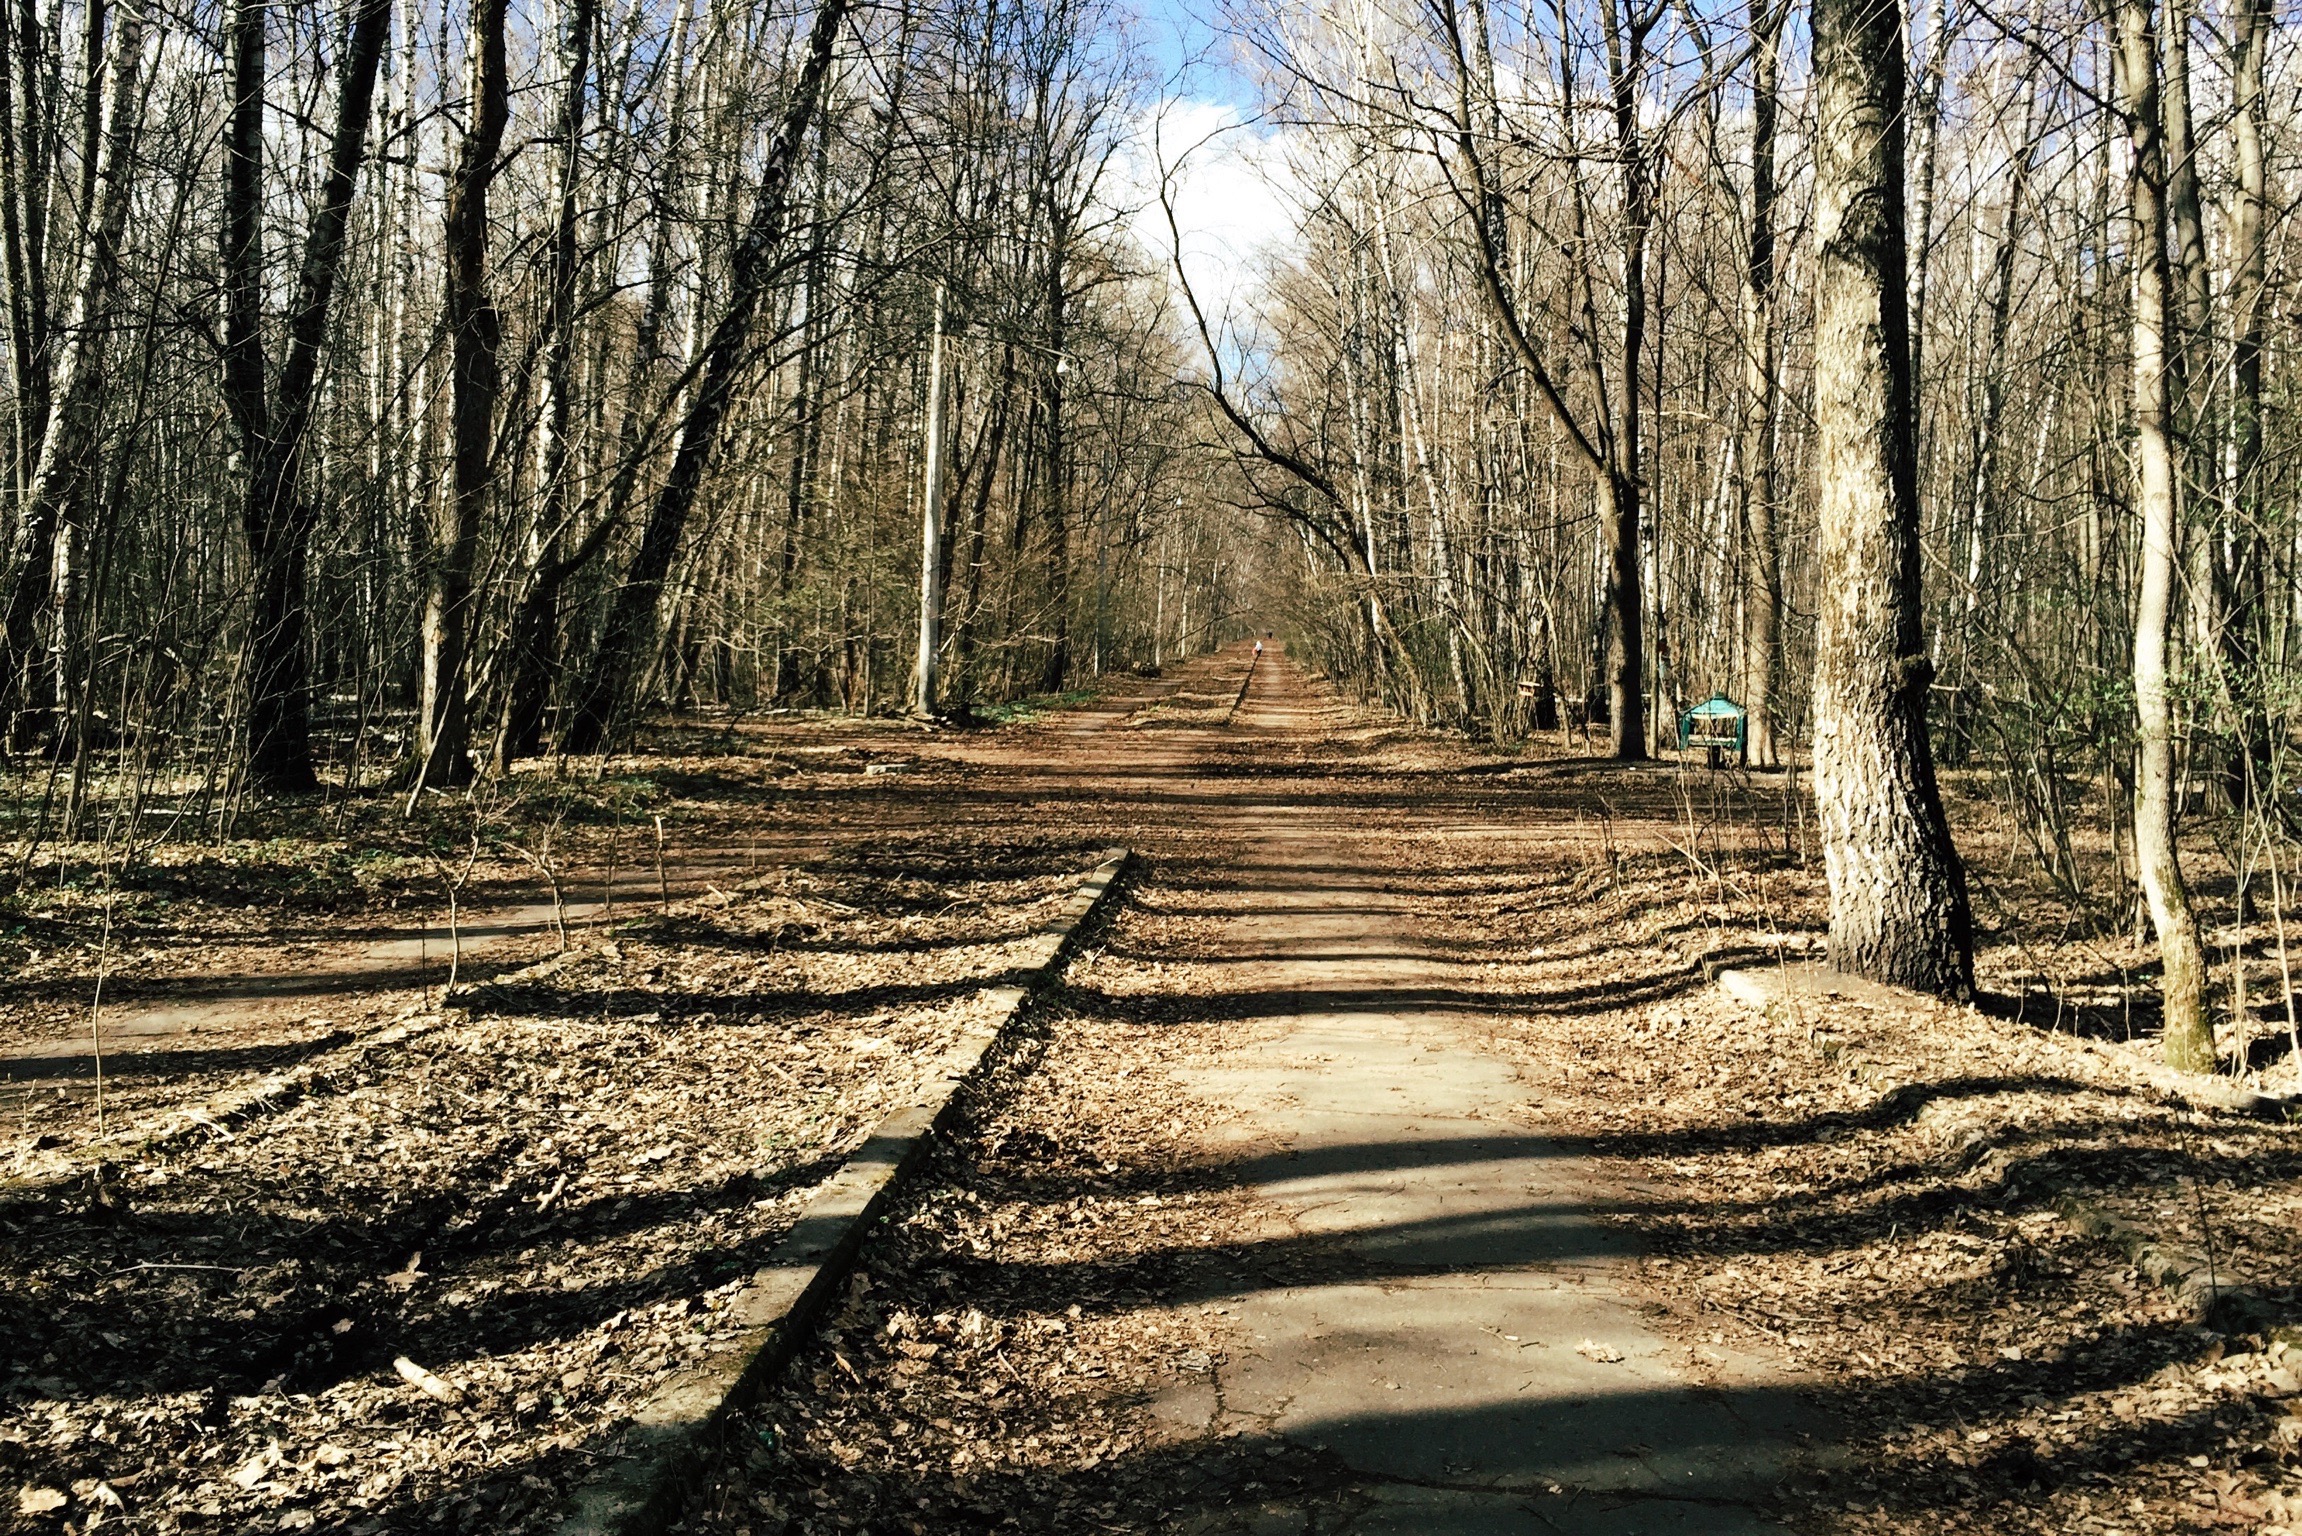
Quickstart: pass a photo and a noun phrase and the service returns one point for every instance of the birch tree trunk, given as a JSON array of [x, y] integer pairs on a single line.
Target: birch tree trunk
[[69, 442], [926, 667], [2188, 1038], [1898, 904]]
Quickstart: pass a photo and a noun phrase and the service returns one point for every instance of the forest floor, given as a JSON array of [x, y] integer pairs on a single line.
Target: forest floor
[[1387, 1159]]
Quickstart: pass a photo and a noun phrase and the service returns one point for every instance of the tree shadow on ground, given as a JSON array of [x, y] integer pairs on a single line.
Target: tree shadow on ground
[[1571, 1461]]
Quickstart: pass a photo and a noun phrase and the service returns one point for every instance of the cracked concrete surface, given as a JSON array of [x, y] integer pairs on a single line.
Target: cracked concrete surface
[[1472, 1365]]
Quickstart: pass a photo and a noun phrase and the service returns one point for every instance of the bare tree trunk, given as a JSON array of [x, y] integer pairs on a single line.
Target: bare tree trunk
[[1755, 455], [1624, 488], [475, 334], [632, 617], [927, 666], [2188, 1037], [1897, 890], [1925, 112], [68, 445], [26, 301], [2243, 648], [1058, 455], [276, 516], [535, 623]]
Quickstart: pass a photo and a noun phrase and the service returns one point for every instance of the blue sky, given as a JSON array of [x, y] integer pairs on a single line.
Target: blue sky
[[1234, 198], [1186, 46]]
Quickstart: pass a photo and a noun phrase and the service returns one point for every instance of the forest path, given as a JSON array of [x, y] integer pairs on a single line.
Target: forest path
[[1269, 1218], [1469, 1361], [167, 1022], [300, 990]]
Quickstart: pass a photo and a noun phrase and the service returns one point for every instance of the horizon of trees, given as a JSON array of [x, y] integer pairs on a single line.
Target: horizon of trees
[[1555, 399], [397, 393]]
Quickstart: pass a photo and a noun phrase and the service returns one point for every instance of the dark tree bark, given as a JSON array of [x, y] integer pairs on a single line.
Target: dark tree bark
[[2243, 649], [276, 516], [1624, 486], [1755, 458], [475, 335], [535, 626], [1898, 903], [632, 617]]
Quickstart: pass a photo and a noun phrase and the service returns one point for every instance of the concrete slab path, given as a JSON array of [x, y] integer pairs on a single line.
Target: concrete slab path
[[1472, 1363]]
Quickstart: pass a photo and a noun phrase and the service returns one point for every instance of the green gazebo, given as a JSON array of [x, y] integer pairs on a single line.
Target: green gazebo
[[1716, 724]]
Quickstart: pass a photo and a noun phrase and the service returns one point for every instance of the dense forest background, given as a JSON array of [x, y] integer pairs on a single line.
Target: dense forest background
[[394, 393]]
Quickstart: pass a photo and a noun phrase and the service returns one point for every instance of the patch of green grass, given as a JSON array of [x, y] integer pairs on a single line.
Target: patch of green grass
[[1026, 710]]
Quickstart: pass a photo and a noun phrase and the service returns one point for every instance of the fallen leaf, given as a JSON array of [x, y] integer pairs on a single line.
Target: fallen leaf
[[97, 1491], [1605, 1354], [40, 1501]]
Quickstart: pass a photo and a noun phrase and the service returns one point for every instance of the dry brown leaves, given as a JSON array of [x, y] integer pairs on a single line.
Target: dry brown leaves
[[1906, 1200], [538, 1199]]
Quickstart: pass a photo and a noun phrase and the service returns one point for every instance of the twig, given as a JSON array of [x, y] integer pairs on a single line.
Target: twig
[[96, 1003], [662, 885]]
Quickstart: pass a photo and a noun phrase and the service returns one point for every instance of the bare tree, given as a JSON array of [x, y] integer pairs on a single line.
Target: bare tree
[[474, 330], [2188, 1031], [1898, 904], [632, 617], [1755, 451], [277, 516]]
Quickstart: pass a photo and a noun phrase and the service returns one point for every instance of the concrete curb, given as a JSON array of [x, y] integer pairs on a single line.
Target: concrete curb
[[672, 1434]]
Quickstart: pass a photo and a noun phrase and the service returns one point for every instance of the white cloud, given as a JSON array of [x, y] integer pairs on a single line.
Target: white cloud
[[1236, 199]]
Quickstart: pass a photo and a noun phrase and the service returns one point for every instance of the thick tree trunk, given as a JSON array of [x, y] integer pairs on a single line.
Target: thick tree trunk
[[275, 515], [2188, 1037], [475, 336], [1897, 890], [1755, 457], [631, 621]]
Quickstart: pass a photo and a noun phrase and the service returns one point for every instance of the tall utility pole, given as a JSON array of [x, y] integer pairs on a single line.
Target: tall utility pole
[[923, 679]]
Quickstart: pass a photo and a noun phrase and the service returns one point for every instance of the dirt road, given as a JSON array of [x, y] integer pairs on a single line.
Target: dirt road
[[1391, 1165], [1399, 1308], [1385, 1162]]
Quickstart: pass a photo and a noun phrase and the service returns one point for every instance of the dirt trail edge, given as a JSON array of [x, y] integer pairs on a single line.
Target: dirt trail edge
[[1473, 1364], [670, 1435]]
